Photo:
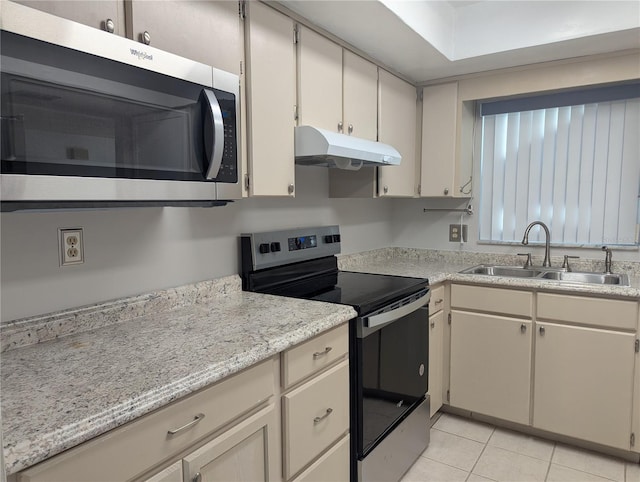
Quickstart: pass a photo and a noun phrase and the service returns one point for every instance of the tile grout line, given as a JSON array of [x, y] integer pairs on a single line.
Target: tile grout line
[[553, 451], [483, 449]]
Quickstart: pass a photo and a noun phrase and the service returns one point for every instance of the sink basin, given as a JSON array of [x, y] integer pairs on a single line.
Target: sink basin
[[507, 271], [594, 278], [549, 274]]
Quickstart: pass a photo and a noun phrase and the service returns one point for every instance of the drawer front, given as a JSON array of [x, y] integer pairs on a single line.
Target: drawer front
[[492, 300], [436, 302], [144, 443], [316, 414], [313, 355], [588, 311], [332, 466]]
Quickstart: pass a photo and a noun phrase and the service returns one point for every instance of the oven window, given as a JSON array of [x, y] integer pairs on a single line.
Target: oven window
[[394, 374]]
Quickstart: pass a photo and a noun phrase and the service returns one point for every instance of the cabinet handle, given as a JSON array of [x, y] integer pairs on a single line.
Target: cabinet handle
[[433, 324], [385, 189], [109, 26], [196, 419], [197, 477], [542, 330], [523, 328], [350, 128], [438, 301], [446, 191], [340, 126], [317, 420], [145, 37], [318, 354], [291, 188]]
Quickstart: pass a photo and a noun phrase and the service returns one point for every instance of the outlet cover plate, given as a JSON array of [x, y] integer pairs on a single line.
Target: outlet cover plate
[[71, 246]]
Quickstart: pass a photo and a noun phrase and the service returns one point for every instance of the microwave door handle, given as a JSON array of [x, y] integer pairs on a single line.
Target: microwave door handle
[[215, 113]]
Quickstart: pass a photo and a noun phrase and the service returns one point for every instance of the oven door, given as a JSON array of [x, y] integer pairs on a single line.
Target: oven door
[[390, 370]]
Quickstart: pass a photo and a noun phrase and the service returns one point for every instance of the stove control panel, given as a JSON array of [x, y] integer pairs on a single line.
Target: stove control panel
[[277, 248]]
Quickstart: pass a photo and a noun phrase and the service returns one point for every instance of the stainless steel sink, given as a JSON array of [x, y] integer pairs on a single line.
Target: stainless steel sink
[[549, 274], [594, 278], [507, 271]]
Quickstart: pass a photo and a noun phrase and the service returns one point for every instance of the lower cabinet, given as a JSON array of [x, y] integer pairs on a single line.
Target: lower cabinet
[[436, 348], [570, 370], [331, 466], [491, 365], [242, 453]]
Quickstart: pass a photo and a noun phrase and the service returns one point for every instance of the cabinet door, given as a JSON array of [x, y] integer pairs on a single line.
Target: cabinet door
[[360, 97], [248, 451], [439, 112], [333, 465], [491, 365], [271, 100], [584, 383], [319, 81], [93, 13], [173, 473], [397, 120], [436, 355], [207, 32]]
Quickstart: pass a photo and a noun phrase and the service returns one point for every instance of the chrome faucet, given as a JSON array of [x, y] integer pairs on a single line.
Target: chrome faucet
[[607, 260], [547, 247]]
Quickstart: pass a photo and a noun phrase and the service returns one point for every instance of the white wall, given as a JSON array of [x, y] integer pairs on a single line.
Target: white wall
[[132, 251]]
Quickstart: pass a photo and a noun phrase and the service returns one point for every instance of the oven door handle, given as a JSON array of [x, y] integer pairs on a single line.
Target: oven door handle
[[389, 316]]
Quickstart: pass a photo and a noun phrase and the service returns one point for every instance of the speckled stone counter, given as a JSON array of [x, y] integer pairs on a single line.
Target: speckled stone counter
[[162, 346], [439, 266]]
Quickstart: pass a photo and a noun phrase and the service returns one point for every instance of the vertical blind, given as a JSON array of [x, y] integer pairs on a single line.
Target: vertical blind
[[574, 167]]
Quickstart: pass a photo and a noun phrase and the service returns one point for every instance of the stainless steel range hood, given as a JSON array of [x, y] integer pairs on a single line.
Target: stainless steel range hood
[[319, 147]]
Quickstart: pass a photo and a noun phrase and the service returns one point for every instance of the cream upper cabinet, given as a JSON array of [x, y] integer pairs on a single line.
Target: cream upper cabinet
[[207, 32], [397, 127], [439, 141], [360, 92], [319, 81], [271, 87], [103, 14], [337, 90]]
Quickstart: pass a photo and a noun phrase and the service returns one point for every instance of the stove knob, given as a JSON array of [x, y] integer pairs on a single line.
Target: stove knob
[[275, 247], [328, 239], [264, 248]]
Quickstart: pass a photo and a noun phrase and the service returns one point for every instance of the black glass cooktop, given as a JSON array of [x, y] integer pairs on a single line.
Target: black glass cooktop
[[366, 292]]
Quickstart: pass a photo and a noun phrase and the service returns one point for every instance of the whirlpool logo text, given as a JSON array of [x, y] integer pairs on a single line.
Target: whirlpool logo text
[[141, 55]]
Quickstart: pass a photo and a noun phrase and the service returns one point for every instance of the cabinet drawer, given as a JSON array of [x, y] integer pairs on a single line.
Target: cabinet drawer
[[436, 303], [311, 356], [315, 415], [588, 311], [333, 465], [493, 300], [144, 443]]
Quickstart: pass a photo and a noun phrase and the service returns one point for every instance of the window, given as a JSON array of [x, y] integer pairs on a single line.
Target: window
[[571, 161]]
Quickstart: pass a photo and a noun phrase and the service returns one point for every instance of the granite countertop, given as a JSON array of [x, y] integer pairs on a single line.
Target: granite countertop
[[440, 266], [59, 393]]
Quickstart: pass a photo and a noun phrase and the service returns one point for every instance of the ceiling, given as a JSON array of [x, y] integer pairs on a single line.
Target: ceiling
[[427, 40]]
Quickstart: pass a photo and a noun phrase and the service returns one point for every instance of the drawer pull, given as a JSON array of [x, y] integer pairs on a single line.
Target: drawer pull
[[318, 354], [196, 419], [438, 301], [317, 420], [523, 328]]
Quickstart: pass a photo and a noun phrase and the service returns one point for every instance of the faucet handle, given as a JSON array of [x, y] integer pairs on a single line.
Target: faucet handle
[[565, 263], [607, 259], [527, 263]]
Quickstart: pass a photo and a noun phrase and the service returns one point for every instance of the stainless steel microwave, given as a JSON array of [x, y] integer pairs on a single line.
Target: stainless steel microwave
[[90, 119]]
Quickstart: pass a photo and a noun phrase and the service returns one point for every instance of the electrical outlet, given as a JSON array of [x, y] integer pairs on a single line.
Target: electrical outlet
[[71, 246], [458, 232]]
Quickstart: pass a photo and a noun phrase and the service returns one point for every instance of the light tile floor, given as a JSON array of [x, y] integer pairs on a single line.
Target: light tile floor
[[465, 450]]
